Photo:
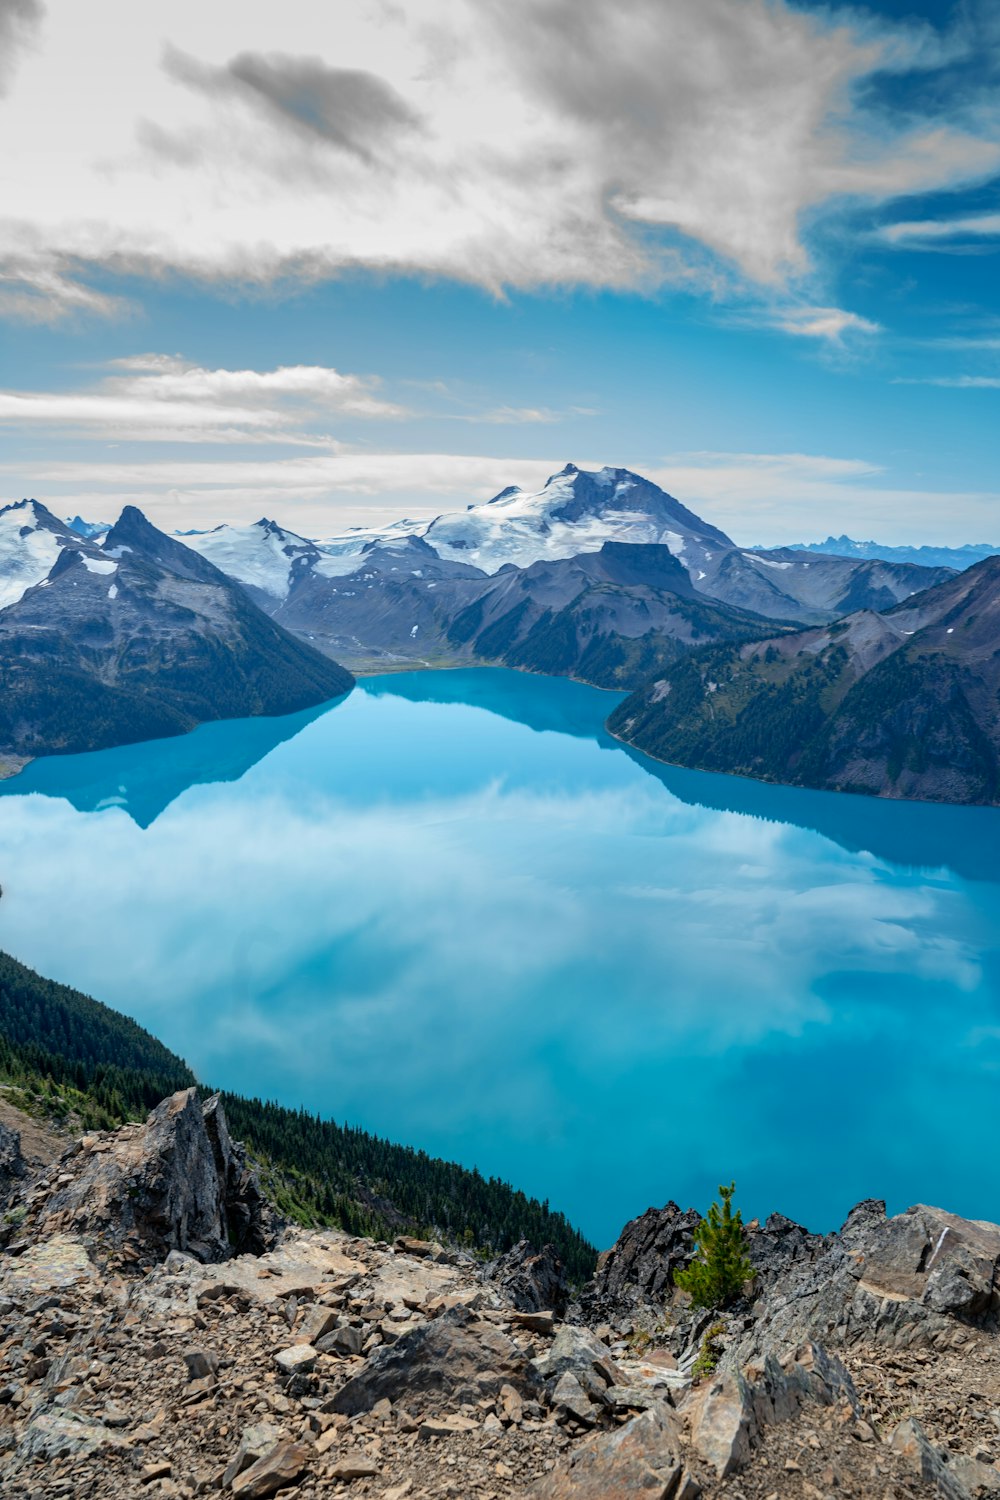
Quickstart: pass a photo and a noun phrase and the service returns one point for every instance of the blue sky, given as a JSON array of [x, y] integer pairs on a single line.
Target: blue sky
[[342, 264]]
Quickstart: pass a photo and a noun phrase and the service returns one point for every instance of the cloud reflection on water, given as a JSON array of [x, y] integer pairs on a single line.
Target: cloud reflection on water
[[519, 949]]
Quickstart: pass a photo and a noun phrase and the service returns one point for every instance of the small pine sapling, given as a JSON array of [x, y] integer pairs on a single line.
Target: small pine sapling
[[721, 1267]]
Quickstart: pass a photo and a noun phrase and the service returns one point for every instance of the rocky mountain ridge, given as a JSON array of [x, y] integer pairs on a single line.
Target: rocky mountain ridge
[[149, 1348], [900, 704], [137, 638]]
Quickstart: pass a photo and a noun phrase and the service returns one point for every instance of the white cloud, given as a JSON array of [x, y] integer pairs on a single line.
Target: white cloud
[[911, 234], [829, 323], [533, 143], [158, 397], [954, 382]]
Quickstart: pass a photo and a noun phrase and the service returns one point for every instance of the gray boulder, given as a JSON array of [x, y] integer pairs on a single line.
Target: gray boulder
[[443, 1363], [578, 1352], [641, 1458]]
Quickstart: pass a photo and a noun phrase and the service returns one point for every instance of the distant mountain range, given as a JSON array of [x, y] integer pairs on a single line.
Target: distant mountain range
[[928, 557], [132, 639], [514, 581], [900, 704]]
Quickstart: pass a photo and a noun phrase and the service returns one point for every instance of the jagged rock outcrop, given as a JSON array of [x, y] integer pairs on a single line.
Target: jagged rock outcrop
[[899, 1281], [531, 1280], [639, 1267], [176, 1182]]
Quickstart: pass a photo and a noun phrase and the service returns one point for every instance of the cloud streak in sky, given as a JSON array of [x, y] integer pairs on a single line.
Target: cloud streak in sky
[[163, 398]]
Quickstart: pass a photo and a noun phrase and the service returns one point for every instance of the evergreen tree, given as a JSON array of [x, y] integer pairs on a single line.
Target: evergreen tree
[[721, 1267]]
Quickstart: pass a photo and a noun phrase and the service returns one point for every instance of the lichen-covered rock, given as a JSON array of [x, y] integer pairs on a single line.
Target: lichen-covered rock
[[176, 1182]]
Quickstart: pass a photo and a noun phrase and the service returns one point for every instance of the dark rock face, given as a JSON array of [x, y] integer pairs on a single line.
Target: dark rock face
[[640, 1266], [531, 1280], [450, 1360], [13, 1168], [178, 1182]]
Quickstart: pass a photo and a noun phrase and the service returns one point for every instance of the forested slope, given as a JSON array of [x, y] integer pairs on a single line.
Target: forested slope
[[62, 1053]]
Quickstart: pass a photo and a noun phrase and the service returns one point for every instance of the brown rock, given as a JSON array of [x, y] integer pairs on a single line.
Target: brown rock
[[282, 1465], [640, 1459], [356, 1466]]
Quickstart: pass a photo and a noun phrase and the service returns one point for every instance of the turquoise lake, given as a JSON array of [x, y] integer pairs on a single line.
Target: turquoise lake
[[451, 909]]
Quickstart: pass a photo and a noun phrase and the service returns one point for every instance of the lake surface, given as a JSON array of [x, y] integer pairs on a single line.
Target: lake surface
[[451, 909]]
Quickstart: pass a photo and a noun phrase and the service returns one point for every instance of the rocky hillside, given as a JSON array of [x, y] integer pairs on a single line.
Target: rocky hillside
[[901, 704], [138, 638], [611, 617], [165, 1334]]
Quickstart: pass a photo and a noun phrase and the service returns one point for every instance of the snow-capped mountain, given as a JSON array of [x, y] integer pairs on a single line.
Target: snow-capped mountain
[[385, 589], [271, 561], [137, 638], [575, 511], [31, 539]]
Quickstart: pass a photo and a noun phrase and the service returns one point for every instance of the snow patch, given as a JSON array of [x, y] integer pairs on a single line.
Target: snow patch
[[98, 564]]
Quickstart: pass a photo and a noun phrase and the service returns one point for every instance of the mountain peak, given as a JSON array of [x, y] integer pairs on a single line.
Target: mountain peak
[[134, 533]]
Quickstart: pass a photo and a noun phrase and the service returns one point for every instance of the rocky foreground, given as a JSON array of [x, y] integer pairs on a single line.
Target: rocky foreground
[[161, 1333]]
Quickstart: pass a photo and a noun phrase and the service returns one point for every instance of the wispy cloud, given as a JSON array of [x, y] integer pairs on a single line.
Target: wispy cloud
[[518, 416], [830, 324], [939, 234], [953, 382], [527, 144], [164, 398]]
